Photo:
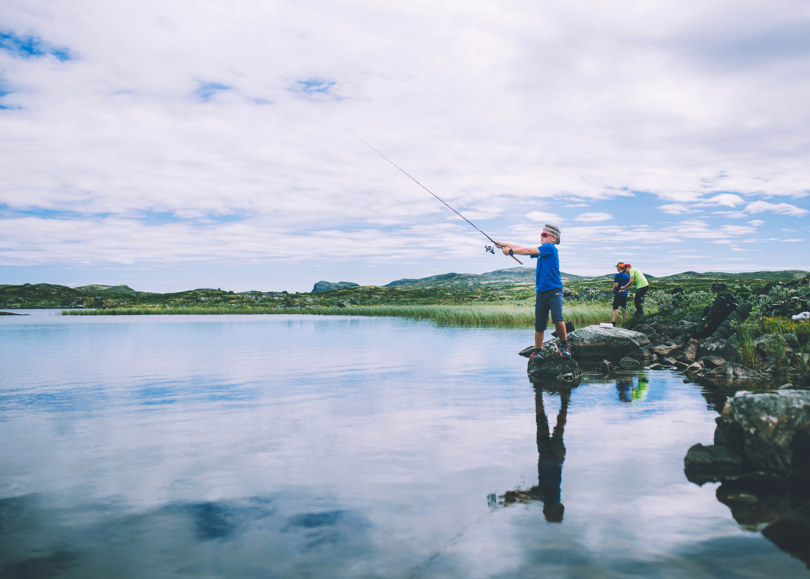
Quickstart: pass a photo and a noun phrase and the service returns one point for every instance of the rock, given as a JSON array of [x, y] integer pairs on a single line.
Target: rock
[[690, 349], [664, 349], [763, 427], [711, 362], [730, 373], [717, 347], [644, 355], [606, 367], [553, 369], [694, 368], [599, 343], [526, 352], [629, 363], [712, 463]]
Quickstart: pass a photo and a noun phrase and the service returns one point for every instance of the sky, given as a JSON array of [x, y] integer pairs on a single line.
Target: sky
[[192, 144]]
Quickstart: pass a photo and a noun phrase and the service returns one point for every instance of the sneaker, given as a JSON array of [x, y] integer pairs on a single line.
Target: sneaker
[[564, 350], [536, 355]]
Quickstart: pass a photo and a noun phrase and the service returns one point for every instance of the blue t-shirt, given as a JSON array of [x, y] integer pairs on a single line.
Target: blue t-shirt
[[622, 279], [548, 268]]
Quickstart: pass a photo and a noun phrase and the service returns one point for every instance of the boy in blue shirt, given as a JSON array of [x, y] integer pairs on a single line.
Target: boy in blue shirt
[[620, 295], [549, 288]]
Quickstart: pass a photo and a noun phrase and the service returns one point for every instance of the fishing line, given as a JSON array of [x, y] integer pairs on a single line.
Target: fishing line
[[412, 178]]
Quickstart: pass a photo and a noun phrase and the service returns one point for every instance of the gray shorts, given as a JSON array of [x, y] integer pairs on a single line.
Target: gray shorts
[[548, 301]]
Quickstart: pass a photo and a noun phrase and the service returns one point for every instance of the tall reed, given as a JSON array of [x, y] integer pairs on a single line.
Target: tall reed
[[746, 348], [504, 316]]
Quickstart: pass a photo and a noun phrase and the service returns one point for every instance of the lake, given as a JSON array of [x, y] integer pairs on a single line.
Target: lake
[[306, 446]]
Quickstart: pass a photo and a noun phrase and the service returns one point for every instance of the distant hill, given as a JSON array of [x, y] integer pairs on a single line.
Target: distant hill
[[512, 275], [517, 282], [46, 295], [526, 275], [327, 286], [108, 289], [770, 276]]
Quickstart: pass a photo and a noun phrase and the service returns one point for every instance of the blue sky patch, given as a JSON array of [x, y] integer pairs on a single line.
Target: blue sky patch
[[43, 213], [4, 92], [32, 47], [167, 217], [208, 90], [312, 87]]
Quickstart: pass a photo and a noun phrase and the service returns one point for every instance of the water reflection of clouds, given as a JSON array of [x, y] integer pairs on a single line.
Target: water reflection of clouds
[[276, 535], [341, 446]]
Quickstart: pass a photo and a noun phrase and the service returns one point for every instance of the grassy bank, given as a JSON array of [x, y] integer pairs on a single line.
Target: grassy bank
[[498, 316]]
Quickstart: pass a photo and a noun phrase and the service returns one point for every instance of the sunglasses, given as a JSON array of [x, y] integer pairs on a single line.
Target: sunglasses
[[544, 234]]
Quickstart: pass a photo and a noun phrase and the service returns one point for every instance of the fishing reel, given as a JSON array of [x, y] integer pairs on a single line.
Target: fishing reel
[[490, 249]]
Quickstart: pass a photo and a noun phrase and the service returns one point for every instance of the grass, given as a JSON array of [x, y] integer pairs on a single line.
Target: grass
[[485, 315], [777, 339]]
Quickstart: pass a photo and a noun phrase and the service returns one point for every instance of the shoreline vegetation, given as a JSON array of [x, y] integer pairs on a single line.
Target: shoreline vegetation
[[769, 339], [479, 315]]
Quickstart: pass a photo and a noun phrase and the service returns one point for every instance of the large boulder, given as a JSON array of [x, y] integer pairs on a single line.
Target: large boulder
[[599, 343], [761, 454], [769, 432]]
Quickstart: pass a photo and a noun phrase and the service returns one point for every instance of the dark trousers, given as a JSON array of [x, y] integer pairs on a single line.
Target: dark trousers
[[639, 299]]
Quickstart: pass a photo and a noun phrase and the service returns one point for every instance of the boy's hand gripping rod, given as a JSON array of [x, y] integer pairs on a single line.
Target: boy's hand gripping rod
[[432, 193]]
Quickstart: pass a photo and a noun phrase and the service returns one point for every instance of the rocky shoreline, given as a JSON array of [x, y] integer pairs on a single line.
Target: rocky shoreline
[[761, 450]]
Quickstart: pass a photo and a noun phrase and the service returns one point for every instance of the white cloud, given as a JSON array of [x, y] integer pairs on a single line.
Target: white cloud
[[194, 131], [542, 217], [726, 200], [593, 217], [784, 208], [678, 209]]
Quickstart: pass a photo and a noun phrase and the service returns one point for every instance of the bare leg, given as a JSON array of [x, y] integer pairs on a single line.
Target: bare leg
[[562, 334], [615, 316], [538, 340]]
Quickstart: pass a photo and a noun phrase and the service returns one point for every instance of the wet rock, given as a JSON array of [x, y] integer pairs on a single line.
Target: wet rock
[[712, 463], [553, 369], [732, 373], [694, 368]]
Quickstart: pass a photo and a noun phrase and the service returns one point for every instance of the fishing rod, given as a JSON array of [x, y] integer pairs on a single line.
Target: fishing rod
[[488, 248]]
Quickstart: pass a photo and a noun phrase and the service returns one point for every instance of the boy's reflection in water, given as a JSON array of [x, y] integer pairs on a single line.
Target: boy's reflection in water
[[551, 454]]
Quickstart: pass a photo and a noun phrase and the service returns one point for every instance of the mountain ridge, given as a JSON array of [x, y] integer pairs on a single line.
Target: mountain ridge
[[448, 287]]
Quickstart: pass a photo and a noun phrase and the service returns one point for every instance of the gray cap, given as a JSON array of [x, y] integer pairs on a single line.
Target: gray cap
[[553, 230]]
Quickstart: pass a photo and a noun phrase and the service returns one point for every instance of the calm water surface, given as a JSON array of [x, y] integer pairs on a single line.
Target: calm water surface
[[275, 446]]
